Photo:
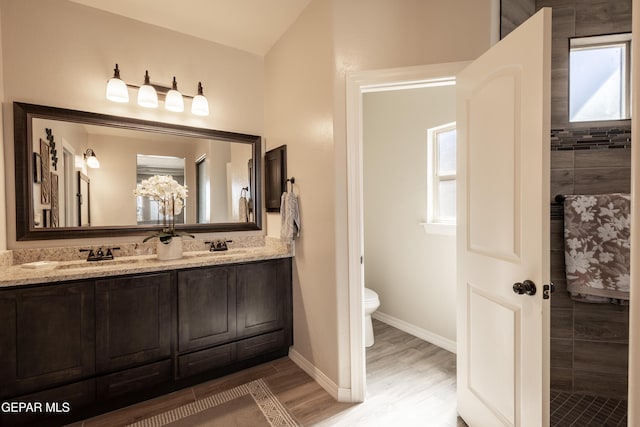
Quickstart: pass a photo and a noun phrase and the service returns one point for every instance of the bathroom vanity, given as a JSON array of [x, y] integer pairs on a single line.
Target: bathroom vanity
[[106, 335]]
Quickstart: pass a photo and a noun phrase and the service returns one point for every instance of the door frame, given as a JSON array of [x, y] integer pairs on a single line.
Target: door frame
[[358, 83]]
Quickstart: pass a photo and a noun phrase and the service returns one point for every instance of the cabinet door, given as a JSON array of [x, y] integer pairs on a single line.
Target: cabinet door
[[206, 307], [264, 297], [133, 320], [47, 336]]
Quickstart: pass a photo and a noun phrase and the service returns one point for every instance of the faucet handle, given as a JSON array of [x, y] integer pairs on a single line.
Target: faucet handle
[[109, 254], [91, 255]]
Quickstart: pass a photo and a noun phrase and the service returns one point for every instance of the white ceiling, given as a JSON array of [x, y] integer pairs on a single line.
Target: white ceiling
[[249, 25]]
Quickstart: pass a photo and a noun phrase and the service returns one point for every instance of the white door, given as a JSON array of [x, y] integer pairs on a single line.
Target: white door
[[503, 230]]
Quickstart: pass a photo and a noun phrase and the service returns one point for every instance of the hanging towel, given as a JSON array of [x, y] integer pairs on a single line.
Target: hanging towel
[[243, 209], [597, 247], [290, 217]]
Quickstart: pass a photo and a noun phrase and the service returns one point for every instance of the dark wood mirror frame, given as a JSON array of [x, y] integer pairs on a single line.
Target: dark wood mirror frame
[[25, 228]]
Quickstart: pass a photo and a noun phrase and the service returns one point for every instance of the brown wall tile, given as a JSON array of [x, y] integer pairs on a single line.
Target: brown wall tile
[[562, 379], [561, 323], [600, 357], [561, 353], [602, 180], [613, 158], [562, 159], [601, 322], [613, 386]]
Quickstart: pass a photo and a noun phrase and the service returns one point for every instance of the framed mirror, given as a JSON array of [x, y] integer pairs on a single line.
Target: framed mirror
[[220, 169]]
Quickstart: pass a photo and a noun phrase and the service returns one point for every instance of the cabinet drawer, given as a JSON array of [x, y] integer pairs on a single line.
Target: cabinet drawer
[[134, 379], [206, 360], [259, 345]]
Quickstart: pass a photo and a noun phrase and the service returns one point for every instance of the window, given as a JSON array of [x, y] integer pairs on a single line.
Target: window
[[441, 171], [148, 211], [599, 78]]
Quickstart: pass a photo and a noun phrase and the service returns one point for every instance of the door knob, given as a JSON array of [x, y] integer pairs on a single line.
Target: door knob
[[526, 287]]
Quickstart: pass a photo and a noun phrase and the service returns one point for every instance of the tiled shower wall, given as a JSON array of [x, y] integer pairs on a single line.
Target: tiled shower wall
[[589, 342]]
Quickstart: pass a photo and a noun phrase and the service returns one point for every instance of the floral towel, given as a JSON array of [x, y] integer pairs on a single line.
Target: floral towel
[[597, 249]]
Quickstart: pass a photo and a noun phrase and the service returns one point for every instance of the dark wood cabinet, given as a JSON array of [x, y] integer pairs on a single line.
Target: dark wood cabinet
[[106, 342], [206, 307], [133, 320], [264, 297], [47, 337]]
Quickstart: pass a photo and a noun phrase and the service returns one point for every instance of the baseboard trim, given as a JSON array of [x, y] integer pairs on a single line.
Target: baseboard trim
[[339, 394], [423, 334]]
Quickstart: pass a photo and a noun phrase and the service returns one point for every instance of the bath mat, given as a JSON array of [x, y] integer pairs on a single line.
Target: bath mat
[[248, 405]]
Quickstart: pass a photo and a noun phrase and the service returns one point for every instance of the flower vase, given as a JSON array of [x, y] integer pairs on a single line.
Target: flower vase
[[169, 250]]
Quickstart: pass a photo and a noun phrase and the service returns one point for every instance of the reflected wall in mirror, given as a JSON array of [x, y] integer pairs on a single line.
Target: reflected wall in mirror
[[212, 164]]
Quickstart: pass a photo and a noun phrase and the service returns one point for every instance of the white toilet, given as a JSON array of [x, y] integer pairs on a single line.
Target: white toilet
[[371, 304]]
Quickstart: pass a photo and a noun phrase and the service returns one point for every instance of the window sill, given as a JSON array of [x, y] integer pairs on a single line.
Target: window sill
[[440, 229]]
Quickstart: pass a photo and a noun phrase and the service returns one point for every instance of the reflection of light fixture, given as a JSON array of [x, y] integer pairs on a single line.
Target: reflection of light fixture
[[91, 159], [200, 105], [116, 88], [173, 101], [149, 94]]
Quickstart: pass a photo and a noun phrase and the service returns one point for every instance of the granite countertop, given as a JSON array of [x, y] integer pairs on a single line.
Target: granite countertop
[[17, 275]]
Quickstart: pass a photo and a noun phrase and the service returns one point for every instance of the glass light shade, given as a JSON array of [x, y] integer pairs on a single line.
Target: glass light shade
[[200, 106], [174, 101], [92, 162], [117, 90], [147, 97]]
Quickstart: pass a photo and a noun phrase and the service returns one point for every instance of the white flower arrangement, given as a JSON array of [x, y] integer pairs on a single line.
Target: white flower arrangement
[[171, 197]]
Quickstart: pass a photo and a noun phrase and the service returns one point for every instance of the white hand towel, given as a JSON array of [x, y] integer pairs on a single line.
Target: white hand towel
[[290, 217]]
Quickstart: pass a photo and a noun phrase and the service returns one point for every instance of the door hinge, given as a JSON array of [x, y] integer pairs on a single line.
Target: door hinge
[[547, 290], [361, 259]]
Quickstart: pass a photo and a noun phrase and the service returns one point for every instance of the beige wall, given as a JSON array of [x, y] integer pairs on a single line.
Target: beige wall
[[61, 54], [298, 112], [305, 75], [412, 272]]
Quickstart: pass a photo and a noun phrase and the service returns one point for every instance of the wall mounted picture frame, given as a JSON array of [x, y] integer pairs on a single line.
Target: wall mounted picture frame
[[37, 168], [45, 184]]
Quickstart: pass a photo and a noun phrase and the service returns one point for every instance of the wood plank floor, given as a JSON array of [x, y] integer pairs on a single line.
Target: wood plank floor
[[409, 383]]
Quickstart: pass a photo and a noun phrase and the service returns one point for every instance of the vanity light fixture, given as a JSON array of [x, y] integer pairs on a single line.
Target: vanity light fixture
[[91, 159], [200, 105], [173, 101], [116, 88], [149, 94]]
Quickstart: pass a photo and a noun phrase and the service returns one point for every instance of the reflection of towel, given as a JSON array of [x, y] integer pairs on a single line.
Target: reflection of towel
[[290, 217], [243, 209], [597, 247]]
